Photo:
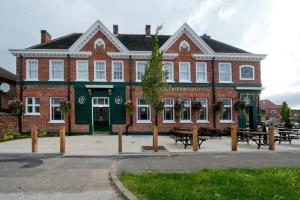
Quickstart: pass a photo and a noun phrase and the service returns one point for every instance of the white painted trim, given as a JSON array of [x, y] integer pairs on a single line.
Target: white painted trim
[[251, 66], [205, 69], [136, 112], [136, 71], [230, 56], [87, 68], [50, 69], [56, 122], [249, 88], [226, 122], [50, 118], [99, 40], [186, 121], [49, 53], [206, 106], [99, 86], [185, 28], [190, 106], [169, 122], [33, 106], [112, 71], [230, 81], [26, 71], [231, 113], [203, 121], [182, 43], [99, 80], [99, 106], [179, 70], [97, 26], [172, 65]]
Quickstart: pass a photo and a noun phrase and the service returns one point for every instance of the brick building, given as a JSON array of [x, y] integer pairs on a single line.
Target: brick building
[[7, 88], [99, 70], [272, 110]]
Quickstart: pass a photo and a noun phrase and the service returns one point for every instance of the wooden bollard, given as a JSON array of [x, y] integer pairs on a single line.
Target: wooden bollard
[[120, 142], [271, 139], [62, 134], [155, 139], [233, 138], [195, 138], [34, 135]]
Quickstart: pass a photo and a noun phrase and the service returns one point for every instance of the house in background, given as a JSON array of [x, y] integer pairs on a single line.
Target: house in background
[[7, 88], [272, 110]]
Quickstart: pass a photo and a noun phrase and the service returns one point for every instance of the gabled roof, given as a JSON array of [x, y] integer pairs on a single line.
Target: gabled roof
[[7, 75], [221, 47], [268, 105]]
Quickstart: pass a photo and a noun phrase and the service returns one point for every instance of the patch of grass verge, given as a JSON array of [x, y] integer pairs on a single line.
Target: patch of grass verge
[[222, 184]]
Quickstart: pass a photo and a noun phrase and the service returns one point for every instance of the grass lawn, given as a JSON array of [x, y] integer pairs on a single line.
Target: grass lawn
[[243, 184]]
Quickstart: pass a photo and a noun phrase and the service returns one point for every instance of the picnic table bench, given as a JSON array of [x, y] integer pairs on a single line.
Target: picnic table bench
[[212, 132], [185, 137], [286, 136]]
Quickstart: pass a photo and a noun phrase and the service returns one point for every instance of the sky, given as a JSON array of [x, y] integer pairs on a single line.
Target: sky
[[259, 26]]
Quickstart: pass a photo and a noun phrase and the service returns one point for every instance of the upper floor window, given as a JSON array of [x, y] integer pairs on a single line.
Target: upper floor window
[[168, 114], [56, 70], [117, 71], [168, 68], [82, 70], [202, 115], [143, 111], [225, 74], [140, 70], [99, 43], [184, 72], [32, 70], [186, 111], [227, 114], [246, 72], [201, 72], [56, 114], [32, 106], [99, 70], [184, 45]]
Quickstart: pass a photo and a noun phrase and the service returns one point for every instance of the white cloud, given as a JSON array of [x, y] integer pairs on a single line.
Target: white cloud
[[226, 13]]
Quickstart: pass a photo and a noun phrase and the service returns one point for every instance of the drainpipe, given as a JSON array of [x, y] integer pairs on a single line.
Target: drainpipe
[[21, 90], [69, 92], [130, 92], [213, 91]]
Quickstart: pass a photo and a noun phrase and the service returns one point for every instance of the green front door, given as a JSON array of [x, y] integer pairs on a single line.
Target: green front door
[[100, 114]]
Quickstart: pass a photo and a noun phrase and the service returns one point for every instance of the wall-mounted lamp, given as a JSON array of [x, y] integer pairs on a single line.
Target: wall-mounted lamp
[[90, 91], [109, 91]]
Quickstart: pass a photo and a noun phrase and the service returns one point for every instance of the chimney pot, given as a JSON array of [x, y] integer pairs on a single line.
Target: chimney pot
[[148, 30], [115, 29], [45, 37]]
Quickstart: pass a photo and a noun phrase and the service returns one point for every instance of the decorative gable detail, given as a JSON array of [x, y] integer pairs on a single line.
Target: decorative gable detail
[[97, 27], [187, 30]]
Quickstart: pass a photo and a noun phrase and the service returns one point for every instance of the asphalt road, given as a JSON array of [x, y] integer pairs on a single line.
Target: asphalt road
[[55, 177]]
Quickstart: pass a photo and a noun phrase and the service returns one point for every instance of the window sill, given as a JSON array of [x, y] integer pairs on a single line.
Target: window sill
[[117, 80], [185, 81], [247, 79], [56, 122], [81, 80], [143, 122], [56, 80], [99, 80], [169, 122], [225, 82], [201, 81], [32, 80], [31, 114], [170, 81], [186, 121], [227, 122], [203, 121]]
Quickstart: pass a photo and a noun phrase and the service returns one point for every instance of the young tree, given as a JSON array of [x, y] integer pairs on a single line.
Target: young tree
[[285, 113], [153, 82]]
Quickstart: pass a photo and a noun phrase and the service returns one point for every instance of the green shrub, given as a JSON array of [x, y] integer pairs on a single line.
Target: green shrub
[[13, 134], [42, 133], [8, 137]]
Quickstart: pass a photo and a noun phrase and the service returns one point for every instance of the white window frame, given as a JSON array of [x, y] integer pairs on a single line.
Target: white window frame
[[184, 43], [163, 113], [206, 106], [231, 114], [247, 79], [34, 105], [205, 71], [50, 71], [50, 106], [95, 70], [112, 71], [77, 70], [190, 106], [230, 81], [27, 70], [137, 116], [180, 70], [136, 69], [164, 63]]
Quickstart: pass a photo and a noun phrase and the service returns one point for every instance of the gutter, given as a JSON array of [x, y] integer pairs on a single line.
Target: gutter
[[130, 92], [21, 90], [69, 92], [214, 91]]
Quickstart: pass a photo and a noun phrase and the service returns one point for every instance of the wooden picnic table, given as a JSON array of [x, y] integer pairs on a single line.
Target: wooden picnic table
[[260, 138], [185, 137], [286, 136]]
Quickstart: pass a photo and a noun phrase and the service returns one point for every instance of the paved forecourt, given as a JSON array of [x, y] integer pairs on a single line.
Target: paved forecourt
[[94, 145]]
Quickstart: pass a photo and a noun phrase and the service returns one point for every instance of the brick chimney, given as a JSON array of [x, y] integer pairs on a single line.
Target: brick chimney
[[148, 30], [45, 36], [115, 29]]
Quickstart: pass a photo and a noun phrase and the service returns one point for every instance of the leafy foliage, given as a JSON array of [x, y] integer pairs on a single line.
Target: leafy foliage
[[15, 106], [285, 113], [196, 105], [240, 107], [66, 106], [219, 107], [129, 105]]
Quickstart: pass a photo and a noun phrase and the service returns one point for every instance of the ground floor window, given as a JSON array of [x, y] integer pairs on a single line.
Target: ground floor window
[[32, 106], [186, 111], [143, 111], [56, 115], [202, 115], [168, 114], [227, 114]]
